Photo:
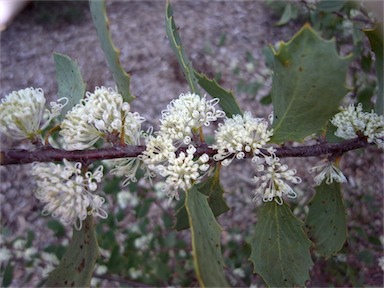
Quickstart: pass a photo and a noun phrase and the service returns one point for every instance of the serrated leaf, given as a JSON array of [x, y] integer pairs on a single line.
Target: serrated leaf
[[227, 100], [375, 37], [76, 266], [69, 81], [205, 233], [302, 95], [212, 188], [112, 54], [175, 43], [280, 248], [326, 223]]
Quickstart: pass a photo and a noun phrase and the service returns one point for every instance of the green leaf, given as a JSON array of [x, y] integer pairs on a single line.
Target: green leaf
[[175, 43], [280, 248], [326, 221], [69, 81], [76, 266], [290, 12], [7, 275], [302, 95], [57, 228], [227, 100], [375, 37], [112, 54], [205, 231], [212, 188], [330, 6]]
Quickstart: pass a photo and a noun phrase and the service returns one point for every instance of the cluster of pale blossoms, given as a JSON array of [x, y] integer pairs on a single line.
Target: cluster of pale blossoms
[[23, 114], [180, 124], [68, 192], [68, 189], [352, 122]]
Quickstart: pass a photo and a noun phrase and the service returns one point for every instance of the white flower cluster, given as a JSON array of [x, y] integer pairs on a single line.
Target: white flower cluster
[[245, 134], [352, 121], [186, 114], [240, 135], [272, 182], [68, 192], [23, 112], [329, 172], [102, 114], [179, 123]]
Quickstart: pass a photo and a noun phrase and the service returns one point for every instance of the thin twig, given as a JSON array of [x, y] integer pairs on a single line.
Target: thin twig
[[50, 154]]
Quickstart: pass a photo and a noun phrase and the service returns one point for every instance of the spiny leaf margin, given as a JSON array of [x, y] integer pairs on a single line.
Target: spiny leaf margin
[[112, 54]]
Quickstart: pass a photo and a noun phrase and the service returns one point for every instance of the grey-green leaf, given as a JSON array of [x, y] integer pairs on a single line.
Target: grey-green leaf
[[69, 81], [76, 266], [205, 231], [227, 100], [375, 37], [308, 84], [175, 43], [280, 248], [212, 188], [101, 22], [326, 223]]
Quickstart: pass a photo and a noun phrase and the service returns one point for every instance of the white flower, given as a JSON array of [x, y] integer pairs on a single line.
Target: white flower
[[157, 150], [186, 114], [99, 115], [23, 112], [5, 255], [381, 262], [272, 182], [374, 130], [240, 135], [128, 167], [182, 171], [127, 198], [352, 120], [329, 172], [67, 191]]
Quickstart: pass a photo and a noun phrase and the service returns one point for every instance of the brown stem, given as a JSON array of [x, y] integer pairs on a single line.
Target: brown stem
[[49, 154]]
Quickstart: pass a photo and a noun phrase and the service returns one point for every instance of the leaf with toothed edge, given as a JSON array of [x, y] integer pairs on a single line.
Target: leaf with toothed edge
[[308, 84], [227, 100], [280, 248], [76, 266], [101, 22], [175, 43]]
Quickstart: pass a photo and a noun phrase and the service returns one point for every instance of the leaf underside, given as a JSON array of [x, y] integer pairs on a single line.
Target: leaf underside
[[205, 232], [280, 248], [308, 84], [326, 222]]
